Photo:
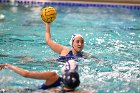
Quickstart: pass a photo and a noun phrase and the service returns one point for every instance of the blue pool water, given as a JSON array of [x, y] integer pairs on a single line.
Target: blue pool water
[[111, 34]]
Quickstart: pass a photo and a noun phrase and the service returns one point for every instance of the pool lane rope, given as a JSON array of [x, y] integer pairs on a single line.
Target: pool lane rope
[[72, 4]]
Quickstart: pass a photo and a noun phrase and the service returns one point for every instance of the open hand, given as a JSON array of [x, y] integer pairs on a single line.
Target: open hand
[[2, 66]]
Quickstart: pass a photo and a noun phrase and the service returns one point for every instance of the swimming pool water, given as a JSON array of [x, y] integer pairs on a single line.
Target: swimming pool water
[[111, 34]]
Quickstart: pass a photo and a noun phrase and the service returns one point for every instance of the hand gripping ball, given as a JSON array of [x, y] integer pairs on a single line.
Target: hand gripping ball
[[48, 14]]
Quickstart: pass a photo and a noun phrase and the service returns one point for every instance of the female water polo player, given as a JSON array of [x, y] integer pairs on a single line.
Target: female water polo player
[[70, 77], [77, 43]]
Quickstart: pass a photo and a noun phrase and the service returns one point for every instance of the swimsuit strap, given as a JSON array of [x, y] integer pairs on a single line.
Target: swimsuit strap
[[56, 84], [70, 53], [79, 54]]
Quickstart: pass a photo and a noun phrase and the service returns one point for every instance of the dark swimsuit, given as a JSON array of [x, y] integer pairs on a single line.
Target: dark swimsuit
[[56, 84], [69, 56]]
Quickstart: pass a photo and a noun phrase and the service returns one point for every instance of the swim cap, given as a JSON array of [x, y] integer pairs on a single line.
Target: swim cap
[[70, 66], [73, 37], [71, 80]]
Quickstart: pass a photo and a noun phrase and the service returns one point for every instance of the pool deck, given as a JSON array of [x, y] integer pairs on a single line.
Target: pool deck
[[118, 2]]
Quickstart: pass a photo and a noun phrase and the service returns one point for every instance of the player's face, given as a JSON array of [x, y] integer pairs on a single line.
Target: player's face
[[78, 44]]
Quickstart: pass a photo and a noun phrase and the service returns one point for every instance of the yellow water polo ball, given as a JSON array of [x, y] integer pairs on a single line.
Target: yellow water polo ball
[[48, 14]]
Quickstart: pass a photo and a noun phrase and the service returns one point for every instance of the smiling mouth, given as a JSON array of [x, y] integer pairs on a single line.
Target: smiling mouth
[[79, 47]]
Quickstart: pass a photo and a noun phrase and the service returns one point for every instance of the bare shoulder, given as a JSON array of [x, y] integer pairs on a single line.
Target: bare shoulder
[[65, 50]]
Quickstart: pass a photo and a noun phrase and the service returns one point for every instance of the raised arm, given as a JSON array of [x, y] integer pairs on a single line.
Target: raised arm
[[28, 74], [53, 45]]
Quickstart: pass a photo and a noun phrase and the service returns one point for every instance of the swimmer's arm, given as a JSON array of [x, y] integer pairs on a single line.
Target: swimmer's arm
[[53, 45], [2, 66], [29, 74]]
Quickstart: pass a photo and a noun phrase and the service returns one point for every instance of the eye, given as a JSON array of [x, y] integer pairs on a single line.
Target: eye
[[77, 41], [80, 41]]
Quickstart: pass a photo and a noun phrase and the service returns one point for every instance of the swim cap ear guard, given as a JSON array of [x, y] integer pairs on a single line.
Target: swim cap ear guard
[[70, 66], [72, 38]]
